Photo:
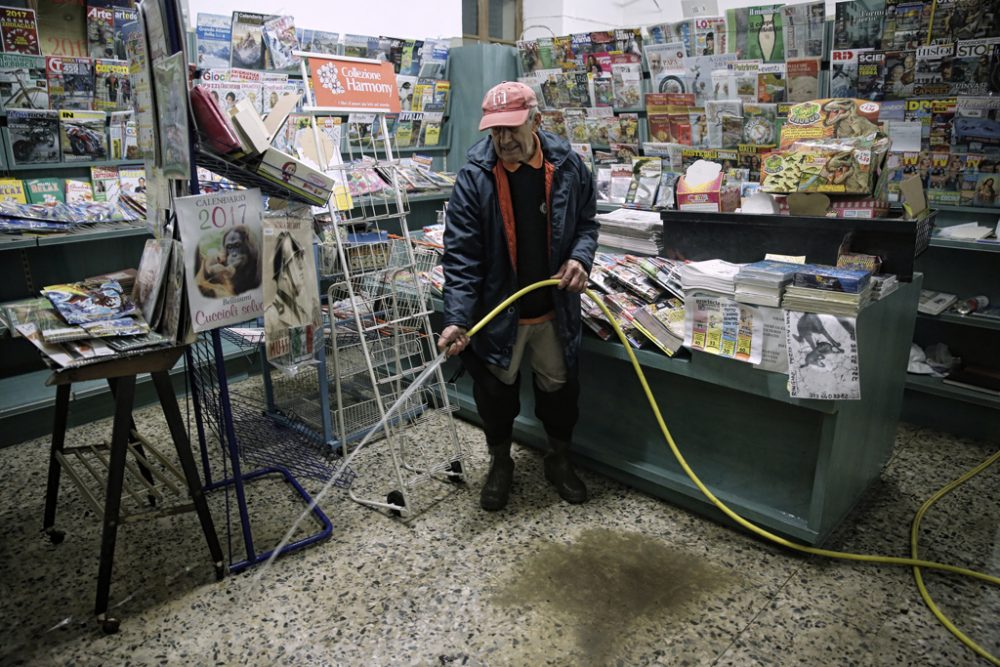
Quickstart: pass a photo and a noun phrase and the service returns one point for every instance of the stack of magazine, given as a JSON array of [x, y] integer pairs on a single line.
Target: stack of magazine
[[762, 283], [631, 231], [883, 285], [828, 289]]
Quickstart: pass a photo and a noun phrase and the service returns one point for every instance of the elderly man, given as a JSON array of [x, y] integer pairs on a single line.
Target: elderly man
[[522, 211]]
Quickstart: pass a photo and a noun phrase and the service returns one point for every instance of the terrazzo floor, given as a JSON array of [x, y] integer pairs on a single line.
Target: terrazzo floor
[[625, 579]]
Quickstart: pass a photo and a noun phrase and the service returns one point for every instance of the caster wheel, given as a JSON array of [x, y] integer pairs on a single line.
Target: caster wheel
[[55, 536], [456, 469], [395, 498], [110, 626]]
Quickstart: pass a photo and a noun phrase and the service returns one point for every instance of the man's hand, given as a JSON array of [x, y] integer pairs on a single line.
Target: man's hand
[[572, 276], [453, 339]]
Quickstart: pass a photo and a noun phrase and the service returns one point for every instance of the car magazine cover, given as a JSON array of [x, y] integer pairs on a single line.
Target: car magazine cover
[[19, 31], [292, 318], [248, 41], [34, 135], [214, 38], [23, 82], [71, 82], [221, 233], [112, 87], [83, 136]]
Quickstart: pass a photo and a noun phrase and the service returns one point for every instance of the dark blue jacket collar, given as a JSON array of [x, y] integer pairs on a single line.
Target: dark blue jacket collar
[[554, 150]]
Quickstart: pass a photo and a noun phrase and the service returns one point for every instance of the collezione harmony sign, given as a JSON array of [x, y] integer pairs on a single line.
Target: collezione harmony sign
[[352, 84]]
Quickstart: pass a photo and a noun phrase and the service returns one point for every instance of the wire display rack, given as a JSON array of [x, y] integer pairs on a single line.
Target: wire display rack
[[379, 339]]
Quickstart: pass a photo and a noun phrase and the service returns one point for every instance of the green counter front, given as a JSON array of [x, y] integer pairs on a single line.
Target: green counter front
[[794, 466]]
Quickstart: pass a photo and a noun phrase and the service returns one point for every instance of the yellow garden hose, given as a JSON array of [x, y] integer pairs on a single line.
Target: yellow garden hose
[[913, 562]]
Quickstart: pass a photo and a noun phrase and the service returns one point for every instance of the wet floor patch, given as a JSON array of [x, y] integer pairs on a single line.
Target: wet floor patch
[[608, 584]]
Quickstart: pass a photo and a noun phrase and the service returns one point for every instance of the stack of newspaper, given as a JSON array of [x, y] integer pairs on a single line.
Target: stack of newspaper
[[935, 303], [713, 276], [762, 283], [828, 289], [883, 285], [632, 231]]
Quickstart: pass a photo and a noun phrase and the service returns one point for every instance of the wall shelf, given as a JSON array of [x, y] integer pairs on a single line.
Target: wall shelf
[[959, 244], [936, 386], [963, 320], [73, 165], [101, 232]]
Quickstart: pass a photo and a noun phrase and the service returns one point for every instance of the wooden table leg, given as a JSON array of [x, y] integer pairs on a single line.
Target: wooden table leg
[[146, 473], [120, 433], [168, 401], [55, 468]]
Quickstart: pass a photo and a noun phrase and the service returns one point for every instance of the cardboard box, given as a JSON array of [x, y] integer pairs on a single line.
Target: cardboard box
[[289, 172], [711, 196]]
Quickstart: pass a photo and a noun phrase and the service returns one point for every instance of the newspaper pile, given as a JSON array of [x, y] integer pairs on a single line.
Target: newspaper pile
[[714, 277], [828, 289], [631, 231]]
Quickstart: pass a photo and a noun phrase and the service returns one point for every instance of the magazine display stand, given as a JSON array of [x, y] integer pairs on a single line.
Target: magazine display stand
[[380, 333]]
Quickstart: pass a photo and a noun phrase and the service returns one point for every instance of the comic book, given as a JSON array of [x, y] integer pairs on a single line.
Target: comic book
[[247, 47], [45, 190], [19, 31], [71, 82], [858, 24], [23, 82], [803, 79], [576, 126], [626, 80], [934, 70], [111, 90], [844, 72], [804, 30], [562, 51], [871, 75], [12, 189], [34, 136], [970, 67], [906, 24], [602, 91], [90, 301], [554, 121], [106, 183], [214, 37], [318, 41], [281, 40], [756, 32], [83, 136], [100, 30], [900, 74]]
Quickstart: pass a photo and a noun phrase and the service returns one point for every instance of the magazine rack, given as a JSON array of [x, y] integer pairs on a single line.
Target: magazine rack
[[380, 332]]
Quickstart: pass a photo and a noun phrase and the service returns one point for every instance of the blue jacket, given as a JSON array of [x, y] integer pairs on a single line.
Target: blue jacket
[[478, 272]]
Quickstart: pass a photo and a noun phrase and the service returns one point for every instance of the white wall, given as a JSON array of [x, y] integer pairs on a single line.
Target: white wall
[[393, 18], [565, 17]]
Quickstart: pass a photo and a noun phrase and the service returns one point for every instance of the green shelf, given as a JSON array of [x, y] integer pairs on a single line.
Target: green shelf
[[73, 165], [966, 209], [97, 233], [963, 320], [958, 244], [936, 386]]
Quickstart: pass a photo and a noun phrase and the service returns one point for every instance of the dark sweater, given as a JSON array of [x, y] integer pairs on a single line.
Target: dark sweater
[[527, 193]]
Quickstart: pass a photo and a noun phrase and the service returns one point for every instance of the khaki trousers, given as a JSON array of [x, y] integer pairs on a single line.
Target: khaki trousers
[[542, 343]]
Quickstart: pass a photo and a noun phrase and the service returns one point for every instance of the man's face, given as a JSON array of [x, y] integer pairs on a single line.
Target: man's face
[[514, 144]]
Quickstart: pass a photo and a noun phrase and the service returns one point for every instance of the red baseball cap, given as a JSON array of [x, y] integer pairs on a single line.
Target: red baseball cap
[[507, 105]]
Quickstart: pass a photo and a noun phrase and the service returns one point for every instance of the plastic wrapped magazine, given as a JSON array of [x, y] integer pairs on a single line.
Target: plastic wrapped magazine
[[124, 326], [90, 301], [24, 225], [67, 213]]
